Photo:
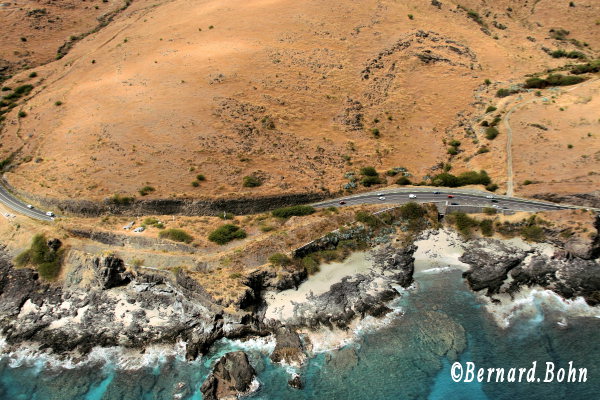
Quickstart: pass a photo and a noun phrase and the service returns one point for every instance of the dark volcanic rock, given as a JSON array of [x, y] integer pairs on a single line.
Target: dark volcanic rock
[[111, 271], [232, 375], [359, 295], [490, 261], [288, 348], [296, 382]]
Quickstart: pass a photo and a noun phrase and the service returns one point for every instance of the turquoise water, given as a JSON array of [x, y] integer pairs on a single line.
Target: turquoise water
[[403, 360]]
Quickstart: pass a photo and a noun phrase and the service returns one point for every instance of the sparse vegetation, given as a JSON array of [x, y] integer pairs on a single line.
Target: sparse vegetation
[[590, 67], [146, 190], [121, 200], [567, 54], [226, 233], [176, 234], [286, 212], [490, 109], [280, 259]]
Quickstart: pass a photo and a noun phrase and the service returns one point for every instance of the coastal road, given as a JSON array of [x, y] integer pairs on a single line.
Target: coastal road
[[18, 206], [460, 197]]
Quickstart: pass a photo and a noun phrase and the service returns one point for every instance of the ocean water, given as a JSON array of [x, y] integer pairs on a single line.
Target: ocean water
[[409, 358]]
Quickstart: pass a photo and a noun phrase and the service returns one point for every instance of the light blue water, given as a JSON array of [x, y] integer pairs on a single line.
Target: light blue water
[[399, 361]]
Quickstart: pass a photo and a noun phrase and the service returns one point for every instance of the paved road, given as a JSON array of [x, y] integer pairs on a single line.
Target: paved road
[[461, 197], [18, 206]]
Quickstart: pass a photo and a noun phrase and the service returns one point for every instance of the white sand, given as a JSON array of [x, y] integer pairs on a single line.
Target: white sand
[[439, 252], [281, 305]]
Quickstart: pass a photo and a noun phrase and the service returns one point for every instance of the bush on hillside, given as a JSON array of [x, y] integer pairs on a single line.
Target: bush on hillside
[[46, 260], [226, 233], [175, 234], [286, 212]]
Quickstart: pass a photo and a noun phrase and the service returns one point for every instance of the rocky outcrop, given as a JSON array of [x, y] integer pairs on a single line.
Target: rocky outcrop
[[102, 304], [568, 277], [490, 261], [359, 295], [231, 376], [111, 272], [288, 348], [264, 279]]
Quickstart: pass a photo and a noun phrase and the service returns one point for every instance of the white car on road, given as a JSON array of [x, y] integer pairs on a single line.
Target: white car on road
[[29, 206], [489, 196], [381, 197], [50, 213], [412, 196], [139, 229]]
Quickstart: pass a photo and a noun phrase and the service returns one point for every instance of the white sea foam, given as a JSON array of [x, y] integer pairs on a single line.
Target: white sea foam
[[529, 303], [110, 357]]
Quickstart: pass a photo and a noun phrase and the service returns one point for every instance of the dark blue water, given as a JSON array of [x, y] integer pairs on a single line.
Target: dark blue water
[[410, 358]]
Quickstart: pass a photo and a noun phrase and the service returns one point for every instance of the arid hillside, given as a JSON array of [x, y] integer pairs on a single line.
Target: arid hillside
[[295, 95]]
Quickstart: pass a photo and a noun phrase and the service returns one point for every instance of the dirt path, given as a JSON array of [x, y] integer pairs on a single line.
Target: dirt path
[[506, 121]]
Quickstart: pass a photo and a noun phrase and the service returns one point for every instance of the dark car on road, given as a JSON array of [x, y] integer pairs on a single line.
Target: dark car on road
[[450, 196], [342, 202]]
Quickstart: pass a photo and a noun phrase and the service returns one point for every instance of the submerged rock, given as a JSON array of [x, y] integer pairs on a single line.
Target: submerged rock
[[231, 376]]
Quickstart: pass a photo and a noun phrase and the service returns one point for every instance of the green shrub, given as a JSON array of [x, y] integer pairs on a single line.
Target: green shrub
[[368, 171], [19, 92], [58, 103], [466, 178], [367, 219], [175, 234], [564, 54], [445, 179], [533, 233], [195, 183], [552, 80], [527, 182], [463, 222], [375, 132], [370, 181], [452, 151], [226, 233], [280, 259], [286, 212], [491, 133], [474, 178], [487, 227], [146, 190], [483, 149], [46, 260], [504, 92], [490, 109], [22, 114], [121, 200], [492, 187], [412, 211], [590, 67], [455, 143], [311, 265], [403, 180], [200, 177], [251, 181], [391, 172]]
